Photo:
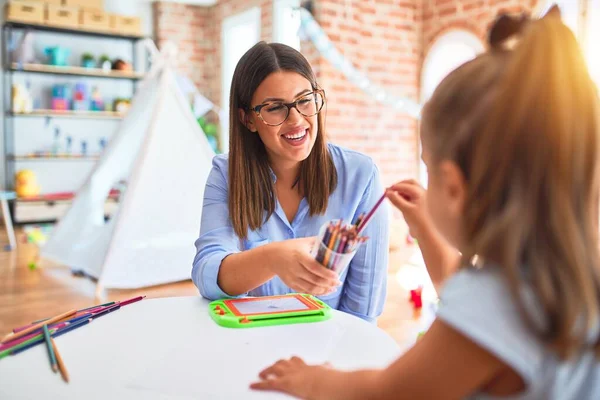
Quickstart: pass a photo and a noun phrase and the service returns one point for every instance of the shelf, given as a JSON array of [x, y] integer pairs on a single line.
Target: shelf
[[68, 114], [75, 71], [62, 196], [13, 157], [80, 31]]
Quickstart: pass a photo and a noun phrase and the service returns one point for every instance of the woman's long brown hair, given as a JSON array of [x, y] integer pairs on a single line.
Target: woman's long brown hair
[[523, 127], [251, 190]]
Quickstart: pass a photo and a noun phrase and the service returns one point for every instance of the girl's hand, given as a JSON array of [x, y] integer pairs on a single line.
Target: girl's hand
[[410, 198], [294, 377], [298, 269]]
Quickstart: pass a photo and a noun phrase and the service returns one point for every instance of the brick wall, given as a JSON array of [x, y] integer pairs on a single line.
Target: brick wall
[[197, 33], [387, 39], [192, 30], [440, 16], [382, 39]]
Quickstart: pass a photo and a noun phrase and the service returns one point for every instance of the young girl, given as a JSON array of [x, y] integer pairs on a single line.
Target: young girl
[[278, 185], [511, 141]]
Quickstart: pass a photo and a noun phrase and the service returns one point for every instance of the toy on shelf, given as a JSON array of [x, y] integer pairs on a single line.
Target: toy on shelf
[[80, 97], [96, 101], [69, 145], [88, 60], [105, 63], [102, 143], [26, 184], [120, 65], [55, 143], [83, 148], [122, 105], [21, 99], [58, 56], [60, 97], [24, 52]]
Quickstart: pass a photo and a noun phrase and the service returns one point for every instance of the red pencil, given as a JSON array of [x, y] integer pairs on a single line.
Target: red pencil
[[366, 220], [133, 300]]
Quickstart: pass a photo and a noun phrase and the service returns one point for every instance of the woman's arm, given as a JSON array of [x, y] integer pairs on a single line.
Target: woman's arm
[[365, 286], [221, 269]]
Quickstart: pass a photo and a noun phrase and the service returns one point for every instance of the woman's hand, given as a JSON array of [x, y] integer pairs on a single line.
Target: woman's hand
[[294, 377], [297, 268], [410, 198]]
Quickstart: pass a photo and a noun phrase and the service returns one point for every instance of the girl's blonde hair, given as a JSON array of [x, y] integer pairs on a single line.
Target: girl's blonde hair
[[523, 127]]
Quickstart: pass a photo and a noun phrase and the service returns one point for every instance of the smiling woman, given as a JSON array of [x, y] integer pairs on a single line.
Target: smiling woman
[[281, 181]]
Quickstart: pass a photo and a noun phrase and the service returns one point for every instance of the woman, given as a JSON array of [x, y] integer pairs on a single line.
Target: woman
[[267, 199]]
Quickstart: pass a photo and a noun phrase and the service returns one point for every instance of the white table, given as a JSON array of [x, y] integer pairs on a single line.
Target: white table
[[171, 349]]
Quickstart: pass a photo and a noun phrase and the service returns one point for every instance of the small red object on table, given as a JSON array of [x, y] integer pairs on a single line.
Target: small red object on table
[[416, 297]]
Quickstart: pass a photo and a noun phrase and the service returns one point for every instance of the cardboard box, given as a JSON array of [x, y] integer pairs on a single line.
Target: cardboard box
[[96, 20], [25, 11], [55, 2], [125, 25], [97, 5], [66, 17]]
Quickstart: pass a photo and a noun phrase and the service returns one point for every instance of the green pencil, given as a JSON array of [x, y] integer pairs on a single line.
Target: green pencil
[[50, 349], [36, 338]]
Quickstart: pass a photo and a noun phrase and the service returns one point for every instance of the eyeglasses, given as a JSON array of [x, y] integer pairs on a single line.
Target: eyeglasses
[[275, 113]]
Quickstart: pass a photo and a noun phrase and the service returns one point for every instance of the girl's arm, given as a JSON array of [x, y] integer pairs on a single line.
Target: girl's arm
[[440, 257], [365, 285], [443, 365]]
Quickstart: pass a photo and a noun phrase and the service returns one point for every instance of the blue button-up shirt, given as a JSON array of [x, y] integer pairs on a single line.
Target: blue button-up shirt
[[359, 187]]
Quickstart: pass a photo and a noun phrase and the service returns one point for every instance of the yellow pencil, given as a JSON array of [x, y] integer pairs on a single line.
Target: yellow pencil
[[59, 361], [13, 336]]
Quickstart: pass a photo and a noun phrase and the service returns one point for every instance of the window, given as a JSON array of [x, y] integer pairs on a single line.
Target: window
[[286, 22], [447, 53]]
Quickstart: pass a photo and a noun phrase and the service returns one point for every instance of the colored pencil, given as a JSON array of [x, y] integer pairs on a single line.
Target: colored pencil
[[39, 338], [78, 311], [61, 365], [13, 336], [365, 221], [57, 333], [106, 311], [133, 300], [50, 349]]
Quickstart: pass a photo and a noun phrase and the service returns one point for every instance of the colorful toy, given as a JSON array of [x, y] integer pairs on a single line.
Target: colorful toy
[[36, 235], [96, 101], [58, 56], [105, 63], [120, 65], [122, 105], [268, 311], [21, 99], [26, 184], [80, 97], [60, 97], [88, 61]]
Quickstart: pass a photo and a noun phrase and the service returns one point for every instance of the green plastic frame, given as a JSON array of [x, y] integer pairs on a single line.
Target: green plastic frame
[[223, 315]]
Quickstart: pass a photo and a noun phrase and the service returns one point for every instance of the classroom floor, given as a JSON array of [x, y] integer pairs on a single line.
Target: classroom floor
[[27, 295]]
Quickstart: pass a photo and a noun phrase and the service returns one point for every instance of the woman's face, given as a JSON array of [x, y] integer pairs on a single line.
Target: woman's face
[[292, 141]]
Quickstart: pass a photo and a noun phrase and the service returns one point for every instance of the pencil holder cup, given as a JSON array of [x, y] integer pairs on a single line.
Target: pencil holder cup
[[333, 248]]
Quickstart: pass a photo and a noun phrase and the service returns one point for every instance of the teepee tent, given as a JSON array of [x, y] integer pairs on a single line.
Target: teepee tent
[[164, 157]]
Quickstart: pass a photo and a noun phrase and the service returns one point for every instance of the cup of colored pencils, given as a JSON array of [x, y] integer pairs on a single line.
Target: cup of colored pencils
[[338, 242], [336, 245]]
